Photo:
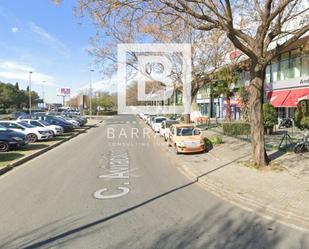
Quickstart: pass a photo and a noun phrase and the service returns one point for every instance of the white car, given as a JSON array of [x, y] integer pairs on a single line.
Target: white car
[[56, 129], [33, 133], [165, 128], [156, 123]]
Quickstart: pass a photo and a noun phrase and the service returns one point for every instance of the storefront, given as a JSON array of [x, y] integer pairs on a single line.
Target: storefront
[[287, 81], [286, 101], [211, 108], [235, 103]]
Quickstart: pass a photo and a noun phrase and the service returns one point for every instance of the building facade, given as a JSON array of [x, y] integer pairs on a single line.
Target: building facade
[[287, 79]]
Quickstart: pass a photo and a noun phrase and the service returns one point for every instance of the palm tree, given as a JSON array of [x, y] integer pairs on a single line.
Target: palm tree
[[225, 78]]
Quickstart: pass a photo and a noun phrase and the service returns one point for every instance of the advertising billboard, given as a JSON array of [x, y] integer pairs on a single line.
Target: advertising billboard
[[63, 92]]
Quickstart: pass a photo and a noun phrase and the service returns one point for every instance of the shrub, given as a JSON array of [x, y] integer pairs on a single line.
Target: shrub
[[107, 113], [301, 113], [216, 139], [304, 123], [236, 128], [269, 116]]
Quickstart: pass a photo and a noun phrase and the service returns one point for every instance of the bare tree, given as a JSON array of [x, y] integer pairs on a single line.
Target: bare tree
[[209, 49], [267, 32]]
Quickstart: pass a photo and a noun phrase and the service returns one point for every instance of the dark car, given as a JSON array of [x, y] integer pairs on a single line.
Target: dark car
[[16, 115], [80, 119], [67, 126], [10, 139]]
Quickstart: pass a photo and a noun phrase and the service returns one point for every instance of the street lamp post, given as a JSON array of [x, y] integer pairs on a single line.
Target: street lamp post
[[90, 90], [30, 92], [43, 93]]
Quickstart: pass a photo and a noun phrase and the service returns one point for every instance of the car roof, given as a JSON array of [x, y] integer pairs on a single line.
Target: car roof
[[171, 120]]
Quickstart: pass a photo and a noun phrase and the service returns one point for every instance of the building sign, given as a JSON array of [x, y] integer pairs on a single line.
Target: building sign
[[290, 83], [63, 92]]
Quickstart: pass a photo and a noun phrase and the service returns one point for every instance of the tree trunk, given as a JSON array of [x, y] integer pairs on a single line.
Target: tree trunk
[[187, 118], [259, 155], [228, 109]]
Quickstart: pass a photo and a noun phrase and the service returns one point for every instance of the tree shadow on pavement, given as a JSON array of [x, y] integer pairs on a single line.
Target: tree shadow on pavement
[[276, 155], [217, 227]]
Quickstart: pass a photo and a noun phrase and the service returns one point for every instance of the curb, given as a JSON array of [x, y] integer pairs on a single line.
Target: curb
[[42, 151]]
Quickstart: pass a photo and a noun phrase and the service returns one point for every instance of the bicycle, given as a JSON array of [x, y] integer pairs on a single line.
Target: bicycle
[[302, 145]]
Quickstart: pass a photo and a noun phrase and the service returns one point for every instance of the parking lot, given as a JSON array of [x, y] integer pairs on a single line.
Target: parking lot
[[26, 136]]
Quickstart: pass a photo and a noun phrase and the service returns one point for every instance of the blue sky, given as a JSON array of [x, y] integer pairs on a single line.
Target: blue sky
[[49, 40]]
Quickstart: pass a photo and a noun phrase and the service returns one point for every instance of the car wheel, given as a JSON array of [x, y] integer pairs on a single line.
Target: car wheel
[[300, 148], [168, 143], [32, 137], [4, 146]]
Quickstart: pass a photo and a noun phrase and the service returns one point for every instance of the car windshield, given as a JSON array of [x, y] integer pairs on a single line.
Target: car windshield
[[44, 122], [26, 125], [187, 131], [160, 120], [2, 128]]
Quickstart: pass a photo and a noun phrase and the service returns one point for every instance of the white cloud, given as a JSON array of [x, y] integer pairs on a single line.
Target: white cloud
[[14, 29], [45, 35], [14, 71]]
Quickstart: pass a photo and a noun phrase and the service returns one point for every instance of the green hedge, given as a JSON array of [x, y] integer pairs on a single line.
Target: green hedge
[[107, 113], [304, 123], [236, 128]]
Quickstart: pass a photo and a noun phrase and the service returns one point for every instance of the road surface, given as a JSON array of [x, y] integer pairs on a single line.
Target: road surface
[[114, 187]]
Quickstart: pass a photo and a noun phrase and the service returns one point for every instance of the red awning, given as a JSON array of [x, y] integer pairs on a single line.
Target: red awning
[[287, 98], [295, 96], [277, 98]]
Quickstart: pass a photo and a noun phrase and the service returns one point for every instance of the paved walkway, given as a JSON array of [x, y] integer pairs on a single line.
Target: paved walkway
[[281, 193]]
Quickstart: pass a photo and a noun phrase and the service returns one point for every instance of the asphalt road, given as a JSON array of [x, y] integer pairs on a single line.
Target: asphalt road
[[96, 191]]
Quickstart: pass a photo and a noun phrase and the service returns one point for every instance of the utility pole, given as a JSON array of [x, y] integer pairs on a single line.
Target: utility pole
[[90, 90], [30, 92], [43, 93]]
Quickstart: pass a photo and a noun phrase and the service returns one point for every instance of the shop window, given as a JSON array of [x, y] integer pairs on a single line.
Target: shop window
[[284, 67], [274, 70], [295, 66], [268, 78], [281, 112], [305, 65]]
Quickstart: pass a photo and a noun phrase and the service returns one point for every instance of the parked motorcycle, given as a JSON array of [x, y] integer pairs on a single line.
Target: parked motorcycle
[[302, 145], [286, 122]]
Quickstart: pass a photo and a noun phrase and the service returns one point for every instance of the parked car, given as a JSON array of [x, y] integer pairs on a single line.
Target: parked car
[[81, 119], [33, 133], [10, 139], [149, 118], [56, 129], [67, 127], [186, 138], [165, 127], [156, 123], [16, 115], [70, 120]]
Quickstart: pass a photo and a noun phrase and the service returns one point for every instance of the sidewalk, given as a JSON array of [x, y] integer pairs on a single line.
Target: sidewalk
[[281, 193]]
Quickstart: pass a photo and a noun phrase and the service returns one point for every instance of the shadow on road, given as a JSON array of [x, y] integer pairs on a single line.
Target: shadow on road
[[218, 227]]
